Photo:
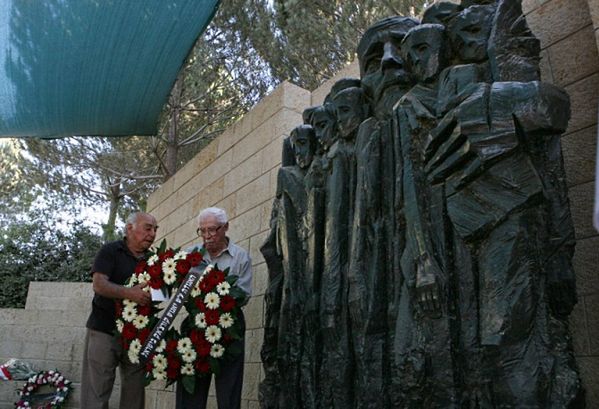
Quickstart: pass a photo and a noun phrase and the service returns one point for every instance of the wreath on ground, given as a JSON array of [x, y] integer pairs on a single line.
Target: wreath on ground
[[206, 336], [29, 396]]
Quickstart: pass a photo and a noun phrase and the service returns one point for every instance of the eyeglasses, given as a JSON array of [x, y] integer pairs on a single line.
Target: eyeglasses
[[208, 231]]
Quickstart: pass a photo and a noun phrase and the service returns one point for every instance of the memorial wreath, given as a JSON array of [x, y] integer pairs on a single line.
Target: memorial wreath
[[206, 336], [29, 399]]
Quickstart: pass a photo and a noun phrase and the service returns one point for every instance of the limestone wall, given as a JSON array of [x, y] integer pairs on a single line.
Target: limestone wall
[[569, 38], [238, 171]]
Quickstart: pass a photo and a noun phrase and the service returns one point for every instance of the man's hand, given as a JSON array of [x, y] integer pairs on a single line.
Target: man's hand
[[139, 294], [104, 287]]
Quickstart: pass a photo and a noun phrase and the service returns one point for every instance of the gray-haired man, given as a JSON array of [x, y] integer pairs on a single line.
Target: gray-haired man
[[212, 228]]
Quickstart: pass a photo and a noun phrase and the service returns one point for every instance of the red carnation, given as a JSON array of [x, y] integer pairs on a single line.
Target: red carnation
[[212, 317], [227, 303], [140, 267], [171, 345], [167, 254], [195, 258], [172, 373], [143, 335], [203, 348], [215, 277], [195, 336], [206, 285], [129, 331], [173, 362], [156, 283], [144, 310], [154, 271], [183, 266], [203, 366], [219, 276], [118, 307], [200, 304]]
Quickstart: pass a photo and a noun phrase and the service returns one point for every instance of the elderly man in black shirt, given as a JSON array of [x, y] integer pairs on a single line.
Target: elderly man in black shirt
[[114, 264]]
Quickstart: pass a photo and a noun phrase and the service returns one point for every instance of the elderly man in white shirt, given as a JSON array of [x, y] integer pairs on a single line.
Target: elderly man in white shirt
[[212, 228]]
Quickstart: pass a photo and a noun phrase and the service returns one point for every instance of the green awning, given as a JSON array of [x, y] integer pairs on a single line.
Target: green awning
[[92, 67]]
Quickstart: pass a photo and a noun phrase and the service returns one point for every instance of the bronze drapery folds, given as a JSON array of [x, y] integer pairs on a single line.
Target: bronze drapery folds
[[422, 258]]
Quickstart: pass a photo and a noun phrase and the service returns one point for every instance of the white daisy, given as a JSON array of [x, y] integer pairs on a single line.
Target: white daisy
[[170, 277], [143, 278], [213, 334], [119, 326], [212, 301], [135, 346], [184, 345], [187, 369], [159, 361], [223, 288], [181, 255], [152, 260], [133, 357], [141, 321], [196, 291], [189, 356], [129, 313], [226, 320], [216, 351], [127, 302], [159, 374], [161, 346], [169, 265], [133, 353], [201, 320], [132, 281]]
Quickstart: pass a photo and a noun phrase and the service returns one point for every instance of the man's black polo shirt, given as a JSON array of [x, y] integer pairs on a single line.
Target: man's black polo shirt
[[118, 263]]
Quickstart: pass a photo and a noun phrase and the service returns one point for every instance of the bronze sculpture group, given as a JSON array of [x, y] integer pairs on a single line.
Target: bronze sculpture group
[[421, 239]]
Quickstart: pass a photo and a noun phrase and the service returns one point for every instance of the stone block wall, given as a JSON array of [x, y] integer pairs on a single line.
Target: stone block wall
[[49, 333], [238, 170], [568, 30]]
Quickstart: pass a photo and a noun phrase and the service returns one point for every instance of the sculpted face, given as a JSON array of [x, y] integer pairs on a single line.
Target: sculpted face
[[469, 33], [325, 126], [302, 141], [350, 110], [425, 50], [381, 64], [441, 12]]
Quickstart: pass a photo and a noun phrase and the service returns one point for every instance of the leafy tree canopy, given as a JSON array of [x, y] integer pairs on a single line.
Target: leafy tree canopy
[[250, 47], [43, 248]]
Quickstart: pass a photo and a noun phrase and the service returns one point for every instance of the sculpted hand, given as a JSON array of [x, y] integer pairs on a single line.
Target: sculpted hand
[[428, 286], [447, 150], [139, 294]]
